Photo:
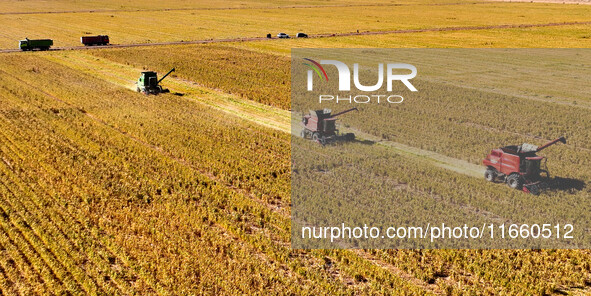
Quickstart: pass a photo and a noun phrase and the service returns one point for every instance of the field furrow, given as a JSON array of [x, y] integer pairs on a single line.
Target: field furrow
[[67, 243], [54, 257], [6, 284], [26, 263], [20, 278]]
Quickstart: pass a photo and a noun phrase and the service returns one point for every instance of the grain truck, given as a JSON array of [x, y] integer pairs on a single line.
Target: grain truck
[[35, 44], [95, 40]]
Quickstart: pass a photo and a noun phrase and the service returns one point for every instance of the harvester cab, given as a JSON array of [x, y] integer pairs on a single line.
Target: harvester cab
[[320, 126], [148, 82], [519, 166]]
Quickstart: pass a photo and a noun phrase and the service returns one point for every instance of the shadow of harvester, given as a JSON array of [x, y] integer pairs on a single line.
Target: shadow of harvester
[[364, 142], [569, 185]]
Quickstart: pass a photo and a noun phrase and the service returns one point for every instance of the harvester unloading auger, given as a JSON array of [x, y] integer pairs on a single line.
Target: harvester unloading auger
[[519, 166], [148, 83], [320, 126]]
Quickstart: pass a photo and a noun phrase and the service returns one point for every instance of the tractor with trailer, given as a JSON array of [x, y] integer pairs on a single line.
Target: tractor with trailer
[[148, 83], [320, 126], [519, 166], [32, 44]]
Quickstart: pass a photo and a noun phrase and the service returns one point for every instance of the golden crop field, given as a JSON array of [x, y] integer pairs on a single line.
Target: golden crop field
[[36, 6], [573, 36], [126, 27], [106, 191]]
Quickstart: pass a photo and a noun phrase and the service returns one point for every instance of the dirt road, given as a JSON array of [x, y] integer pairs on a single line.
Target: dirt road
[[327, 35]]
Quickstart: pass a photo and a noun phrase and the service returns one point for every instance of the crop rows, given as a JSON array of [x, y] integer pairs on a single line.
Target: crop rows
[[429, 273], [118, 181], [179, 200], [451, 264], [170, 219]]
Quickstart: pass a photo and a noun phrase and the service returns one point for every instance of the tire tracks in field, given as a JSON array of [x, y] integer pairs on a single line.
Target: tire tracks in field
[[433, 158], [320, 35]]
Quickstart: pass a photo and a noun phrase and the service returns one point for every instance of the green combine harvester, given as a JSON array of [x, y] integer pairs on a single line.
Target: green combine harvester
[[148, 83], [32, 44]]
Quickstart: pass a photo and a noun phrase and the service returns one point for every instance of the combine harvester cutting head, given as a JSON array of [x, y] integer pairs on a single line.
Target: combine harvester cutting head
[[520, 167], [320, 126]]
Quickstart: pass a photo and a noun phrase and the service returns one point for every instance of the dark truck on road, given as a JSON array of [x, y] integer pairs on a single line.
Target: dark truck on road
[[95, 40], [32, 44]]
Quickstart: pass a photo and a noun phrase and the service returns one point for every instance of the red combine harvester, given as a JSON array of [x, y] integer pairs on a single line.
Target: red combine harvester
[[94, 40], [519, 166], [320, 126]]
